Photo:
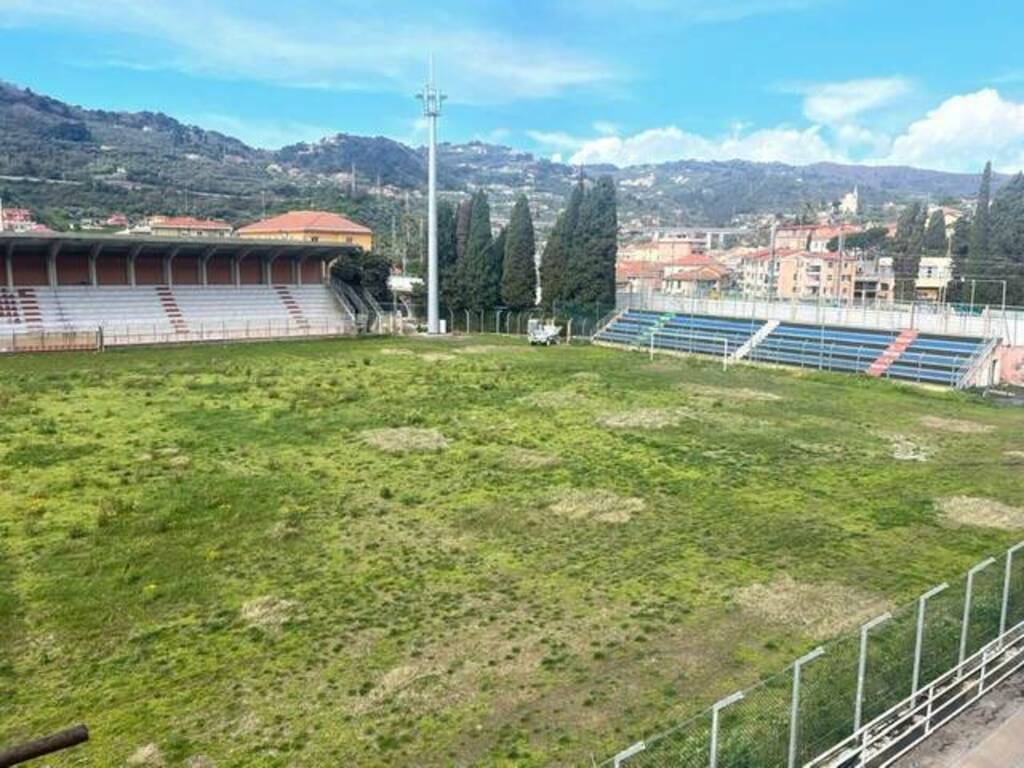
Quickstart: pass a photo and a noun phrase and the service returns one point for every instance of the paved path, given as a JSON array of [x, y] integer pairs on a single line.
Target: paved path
[[988, 735]]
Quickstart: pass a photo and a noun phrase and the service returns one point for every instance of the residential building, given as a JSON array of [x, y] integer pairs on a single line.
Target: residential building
[[809, 276], [811, 237], [850, 203], [16, 220], [695, 279], [875, 279], [187, 226], [662, 249], [934, 274], [310, 226]]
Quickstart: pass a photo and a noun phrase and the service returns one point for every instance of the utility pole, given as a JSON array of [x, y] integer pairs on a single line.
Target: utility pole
[[352, 188], [432, 99], [1, 214], [773, 277]]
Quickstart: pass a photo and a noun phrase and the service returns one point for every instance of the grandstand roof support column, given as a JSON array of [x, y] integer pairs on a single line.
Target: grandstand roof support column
[[9, 264], [51, 264], [169, 266], [133, 255], [268, 267], [203, 261], [299, 262], [236, 267], [94, 254]]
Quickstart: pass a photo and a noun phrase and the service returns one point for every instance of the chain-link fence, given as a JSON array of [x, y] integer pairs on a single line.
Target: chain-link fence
[[578, 321], [841, 688]]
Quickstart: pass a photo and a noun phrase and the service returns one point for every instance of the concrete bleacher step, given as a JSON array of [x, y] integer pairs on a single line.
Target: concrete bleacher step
[[892, 353]]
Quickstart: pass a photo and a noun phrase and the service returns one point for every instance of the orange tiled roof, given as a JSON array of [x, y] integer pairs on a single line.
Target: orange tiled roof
[[306, 221]]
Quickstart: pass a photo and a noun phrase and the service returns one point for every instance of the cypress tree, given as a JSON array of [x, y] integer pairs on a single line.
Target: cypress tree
[[462, 219], [958, 245], [519, 272], [475, 270], [496, 266], [979, 248], [591, 266], [1006, 233], [447, 251], [935, 241], [554, 261], [908, 242]]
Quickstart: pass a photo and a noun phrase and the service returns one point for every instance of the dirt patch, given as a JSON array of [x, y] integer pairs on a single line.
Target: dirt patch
[[821, 610], [906, 448], [396, 352], [404, 439], [586, 376], [267, 612], [437, 357], [1014, 454], [958, 426], [598, 505], [179, 462], [556, 398], [985, 513], [645, 418], [149, 755], [742, 394], [527, 458]]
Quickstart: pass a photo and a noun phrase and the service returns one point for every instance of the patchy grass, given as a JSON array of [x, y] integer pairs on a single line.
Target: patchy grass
[[985, 513], [260, 555]]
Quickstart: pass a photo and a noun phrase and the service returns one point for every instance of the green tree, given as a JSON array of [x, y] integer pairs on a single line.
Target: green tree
[[519, 273], [907, 246], [958, 247], [554, 261], [978, 251], [447, 254], [475, 271], [935, 241], [591, 265], [1006, 233], [462, 219]]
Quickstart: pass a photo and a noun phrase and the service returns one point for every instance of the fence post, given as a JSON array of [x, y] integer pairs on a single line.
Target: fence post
[[627, 753], [1006, 586], [718, 707], [967, 607], [794, 709], [919, 640], [862, 664]]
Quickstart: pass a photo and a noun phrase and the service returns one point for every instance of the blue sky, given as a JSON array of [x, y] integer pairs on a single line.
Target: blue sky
[[935, 85]]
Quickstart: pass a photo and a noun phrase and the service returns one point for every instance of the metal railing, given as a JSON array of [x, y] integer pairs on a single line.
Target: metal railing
[[865, 698]]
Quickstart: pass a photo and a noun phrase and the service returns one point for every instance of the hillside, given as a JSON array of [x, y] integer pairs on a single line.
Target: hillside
[[77, 161]]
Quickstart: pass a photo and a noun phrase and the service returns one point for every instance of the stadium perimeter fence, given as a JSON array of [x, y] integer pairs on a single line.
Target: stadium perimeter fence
[[58, 338], [864, 699]]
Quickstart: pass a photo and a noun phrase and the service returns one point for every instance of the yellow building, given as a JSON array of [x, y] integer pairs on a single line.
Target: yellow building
[[310, 227]]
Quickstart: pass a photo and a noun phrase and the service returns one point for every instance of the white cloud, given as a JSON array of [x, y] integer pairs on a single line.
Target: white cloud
[[605, 128], [963, 132], [657, 145], [352, 46], [838, 103], [559, 140]]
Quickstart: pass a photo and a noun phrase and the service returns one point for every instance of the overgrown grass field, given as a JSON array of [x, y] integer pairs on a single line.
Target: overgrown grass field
[[402, 552]]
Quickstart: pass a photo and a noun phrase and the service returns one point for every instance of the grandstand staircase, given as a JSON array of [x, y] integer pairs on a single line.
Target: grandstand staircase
[[294, 310], [892, 353], [171, 309], [756, 339], [9, 312], [644, 339], [31, 312]]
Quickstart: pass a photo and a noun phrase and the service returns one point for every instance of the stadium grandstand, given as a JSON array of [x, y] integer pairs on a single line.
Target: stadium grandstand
[[909, 355], [57, 289]]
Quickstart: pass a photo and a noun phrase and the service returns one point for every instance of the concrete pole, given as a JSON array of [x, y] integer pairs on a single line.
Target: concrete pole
[[794, 709], [1007, 577], [862, 664], [922, 602], [967, 605]]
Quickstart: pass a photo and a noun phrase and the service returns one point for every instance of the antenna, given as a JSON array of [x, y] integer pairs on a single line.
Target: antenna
[[432, 99]]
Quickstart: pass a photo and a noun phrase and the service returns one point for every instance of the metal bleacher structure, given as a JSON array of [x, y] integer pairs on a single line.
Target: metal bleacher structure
[[66, 292], [908, 355]]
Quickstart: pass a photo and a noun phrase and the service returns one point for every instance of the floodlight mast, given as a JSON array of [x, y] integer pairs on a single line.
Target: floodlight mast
[[432, 99]]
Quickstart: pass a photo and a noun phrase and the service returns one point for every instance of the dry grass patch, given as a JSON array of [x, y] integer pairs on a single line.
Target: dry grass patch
[[267, 612], [959, 426], [821, 610], [1014, 454], [396, 351], [404, 439], [527, 458], [598, 505], [742, 394], [148, 755], [984, 513], [645, 418], [555, 398], [590, 376], [906, 448], [437, 357]]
